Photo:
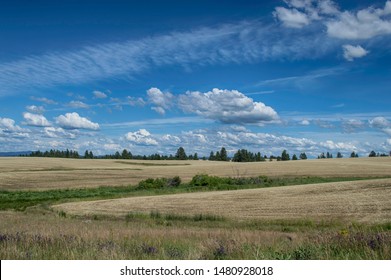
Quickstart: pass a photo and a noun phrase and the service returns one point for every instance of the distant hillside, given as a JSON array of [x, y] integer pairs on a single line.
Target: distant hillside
[[14, 154]]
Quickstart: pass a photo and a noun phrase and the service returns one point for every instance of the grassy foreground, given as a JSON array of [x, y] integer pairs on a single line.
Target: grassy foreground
[[36, 231], [39, 234]]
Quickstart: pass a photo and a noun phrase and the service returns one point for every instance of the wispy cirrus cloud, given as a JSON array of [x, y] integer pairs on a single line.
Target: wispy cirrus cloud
[[41, 99], [243, 42], [303, 79], [78, 104], [99, 95]]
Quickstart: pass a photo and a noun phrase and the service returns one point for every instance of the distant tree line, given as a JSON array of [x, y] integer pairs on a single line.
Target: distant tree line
[[242, 155], [179, 155], [55, 153], [374, 154]]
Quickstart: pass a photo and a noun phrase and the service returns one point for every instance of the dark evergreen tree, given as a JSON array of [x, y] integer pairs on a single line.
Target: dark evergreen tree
[[223, 154], [339, 155], [303, 156], [285, 156], [181, 154], [321, 156], [372, 154]]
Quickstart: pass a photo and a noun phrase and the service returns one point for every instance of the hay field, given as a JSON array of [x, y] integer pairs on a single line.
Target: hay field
[[25, 173], [367, 201]]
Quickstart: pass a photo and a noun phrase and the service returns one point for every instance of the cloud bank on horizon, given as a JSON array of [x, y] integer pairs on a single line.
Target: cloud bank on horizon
[[307, 76]]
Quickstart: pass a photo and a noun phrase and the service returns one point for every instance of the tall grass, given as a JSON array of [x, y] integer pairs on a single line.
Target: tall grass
[[188, 239], [39, 233]]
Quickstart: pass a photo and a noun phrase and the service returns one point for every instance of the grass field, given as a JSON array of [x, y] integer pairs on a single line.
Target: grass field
[[286, 215]]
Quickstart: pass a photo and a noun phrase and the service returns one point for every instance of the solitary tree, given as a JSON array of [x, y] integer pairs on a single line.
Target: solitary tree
[[303, 156], [339, 155], [372, 154], [180, 154], [294, 157], [285, 155]]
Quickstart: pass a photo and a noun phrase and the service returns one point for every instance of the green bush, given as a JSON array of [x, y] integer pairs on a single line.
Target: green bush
[[174, 182], [204, 180], [159, 183]]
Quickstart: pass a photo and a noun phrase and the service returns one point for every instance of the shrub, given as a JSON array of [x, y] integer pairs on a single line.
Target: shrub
[[204, 180], [174, 182], [158, 183]]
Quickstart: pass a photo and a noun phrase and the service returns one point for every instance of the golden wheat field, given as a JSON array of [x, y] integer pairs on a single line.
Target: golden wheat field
[[338, 220], [24, 173], [361, 201]]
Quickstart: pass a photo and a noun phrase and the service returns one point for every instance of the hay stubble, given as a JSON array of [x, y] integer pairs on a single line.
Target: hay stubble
[[362, 201], [26, 173]]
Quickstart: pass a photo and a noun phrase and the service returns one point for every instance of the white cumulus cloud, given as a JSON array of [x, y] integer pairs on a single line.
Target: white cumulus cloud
[[226, 106], [379, 122], [291, 17], [163, 101], [171, 140], [74, 121], [9, 130], [141, 137], [58, 132], [35, 109], [364, 24], [331, 145], [8, 125], [352, 125], [351, 52], [35, 119]]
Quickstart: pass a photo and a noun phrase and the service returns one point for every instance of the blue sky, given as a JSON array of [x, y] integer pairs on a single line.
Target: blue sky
[[150, 76]]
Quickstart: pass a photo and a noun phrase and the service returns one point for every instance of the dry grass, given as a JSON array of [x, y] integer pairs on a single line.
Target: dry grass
[[37, 236], [362, 201], [90, 229], [53, 173]]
